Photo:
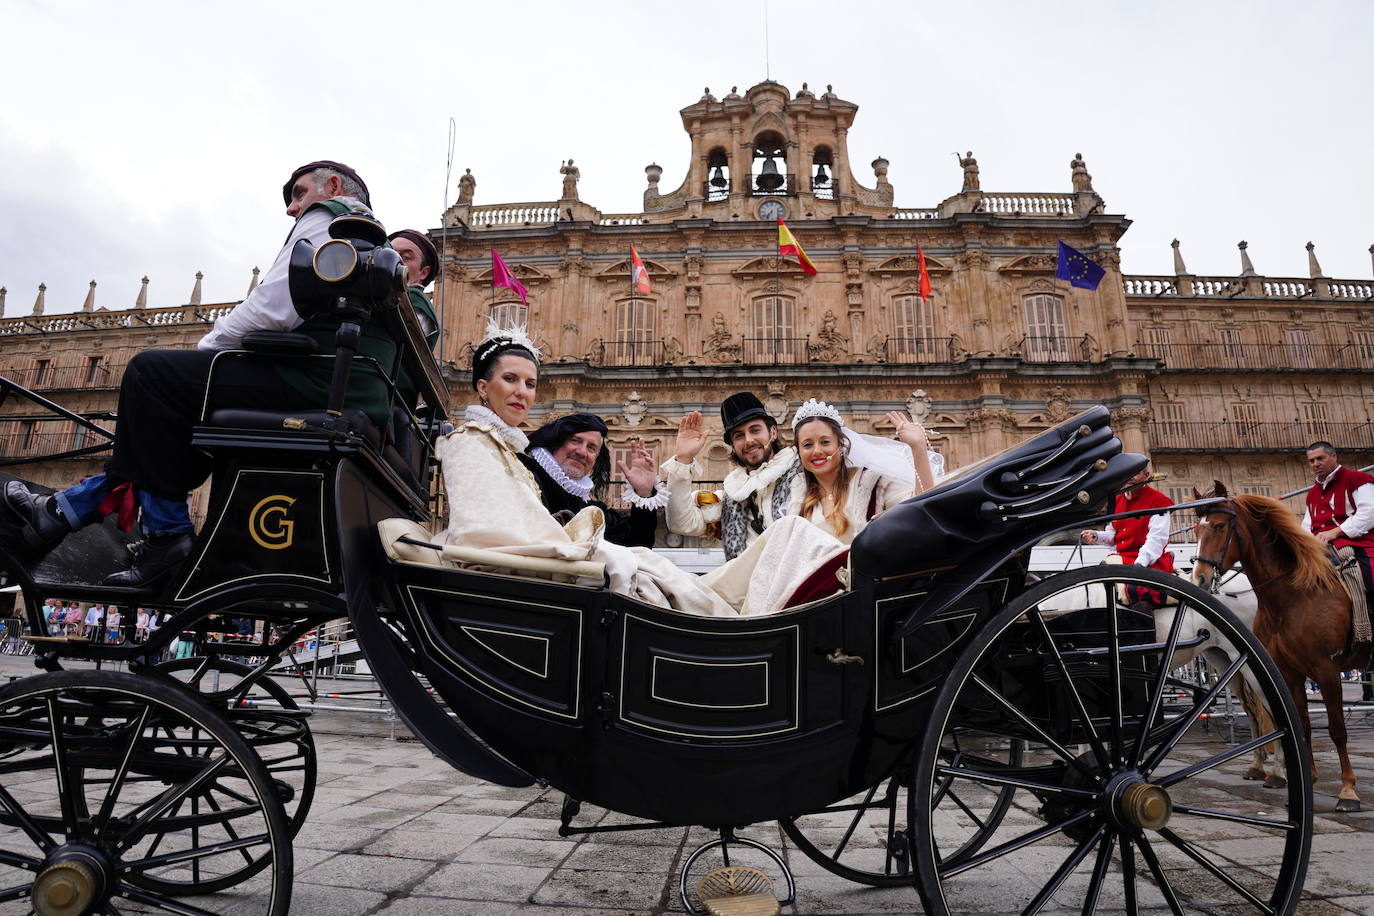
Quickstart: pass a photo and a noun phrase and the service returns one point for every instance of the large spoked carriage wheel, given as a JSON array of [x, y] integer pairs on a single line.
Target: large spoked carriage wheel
[[121, 793], [868, 838], [1126, 798]]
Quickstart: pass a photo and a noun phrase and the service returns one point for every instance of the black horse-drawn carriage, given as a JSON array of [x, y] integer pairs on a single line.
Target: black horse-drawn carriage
[[1002, 745]]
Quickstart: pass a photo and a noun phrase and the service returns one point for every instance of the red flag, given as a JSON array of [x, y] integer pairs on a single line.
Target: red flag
[[925, 277], [639, 277], [501, 276], [787, 244]]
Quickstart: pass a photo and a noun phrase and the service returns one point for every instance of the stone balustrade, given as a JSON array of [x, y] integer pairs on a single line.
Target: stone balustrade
[[540, 213], [125, 318], [1147, 286], [622, 219], [1027, 204], [910, 213]]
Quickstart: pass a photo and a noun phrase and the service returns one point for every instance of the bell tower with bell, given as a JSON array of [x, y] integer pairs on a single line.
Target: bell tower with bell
[[769, 153]]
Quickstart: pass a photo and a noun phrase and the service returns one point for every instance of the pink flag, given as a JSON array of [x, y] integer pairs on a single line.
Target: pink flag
[[501, 276]]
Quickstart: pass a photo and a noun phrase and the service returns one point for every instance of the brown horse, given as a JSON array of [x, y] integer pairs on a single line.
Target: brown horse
[[1304, 611]]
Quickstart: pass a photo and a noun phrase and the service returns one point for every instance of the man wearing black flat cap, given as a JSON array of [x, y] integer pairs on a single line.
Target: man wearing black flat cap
[[154, 466], [422, 261], [753, 495], [572, 466]]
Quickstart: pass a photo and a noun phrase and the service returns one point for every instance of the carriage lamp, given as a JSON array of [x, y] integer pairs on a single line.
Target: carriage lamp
[[354, 265]]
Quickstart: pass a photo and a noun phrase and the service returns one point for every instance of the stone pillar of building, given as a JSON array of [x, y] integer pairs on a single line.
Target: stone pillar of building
[[1130, 424], [1112, 296], [692, 265], [973, 264]]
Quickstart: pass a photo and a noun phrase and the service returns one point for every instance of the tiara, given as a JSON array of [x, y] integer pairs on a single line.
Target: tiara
[[497, 336], [815, 408]]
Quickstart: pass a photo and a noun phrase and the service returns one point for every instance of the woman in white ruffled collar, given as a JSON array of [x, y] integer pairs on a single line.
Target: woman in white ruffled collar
[[849, 479]]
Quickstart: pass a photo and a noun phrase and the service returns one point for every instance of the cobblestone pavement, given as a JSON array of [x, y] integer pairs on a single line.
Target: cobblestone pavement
[[394, 831]]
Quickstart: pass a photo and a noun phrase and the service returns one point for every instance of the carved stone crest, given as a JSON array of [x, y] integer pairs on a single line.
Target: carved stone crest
[[634, 409], [1057, 404], [918, 405], [776, 403], [829, 345]]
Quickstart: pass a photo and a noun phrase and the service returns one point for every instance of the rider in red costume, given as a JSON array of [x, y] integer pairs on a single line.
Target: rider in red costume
[[1139, 541]]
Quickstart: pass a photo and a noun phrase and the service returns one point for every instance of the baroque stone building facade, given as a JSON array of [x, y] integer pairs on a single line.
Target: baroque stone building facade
[[1219, 377]]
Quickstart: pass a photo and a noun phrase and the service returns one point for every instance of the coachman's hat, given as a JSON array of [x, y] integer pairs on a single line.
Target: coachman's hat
[[323, 164], [741, 408]]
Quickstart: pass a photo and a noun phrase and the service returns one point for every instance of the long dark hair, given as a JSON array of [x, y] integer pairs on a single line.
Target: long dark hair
[[813, 495]]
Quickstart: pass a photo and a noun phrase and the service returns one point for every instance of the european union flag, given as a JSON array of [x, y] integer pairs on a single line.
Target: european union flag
[[1075, 267]]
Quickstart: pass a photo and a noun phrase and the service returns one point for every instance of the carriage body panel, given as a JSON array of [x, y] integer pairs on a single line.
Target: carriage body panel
[[661, 715]]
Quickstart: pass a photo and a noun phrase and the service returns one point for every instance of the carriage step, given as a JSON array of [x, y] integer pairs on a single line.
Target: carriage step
[[746, 905], [53, 640], [738, 890]]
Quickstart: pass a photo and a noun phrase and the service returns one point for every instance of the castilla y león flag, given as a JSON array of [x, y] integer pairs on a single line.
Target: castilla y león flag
[[639, 277], [501, 276], [787, 244]]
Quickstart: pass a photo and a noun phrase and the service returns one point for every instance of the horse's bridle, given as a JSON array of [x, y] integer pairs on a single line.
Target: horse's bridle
[[1232, 531]]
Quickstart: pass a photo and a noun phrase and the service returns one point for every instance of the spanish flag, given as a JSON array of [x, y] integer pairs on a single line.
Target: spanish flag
[[639, 277], [787, 244]]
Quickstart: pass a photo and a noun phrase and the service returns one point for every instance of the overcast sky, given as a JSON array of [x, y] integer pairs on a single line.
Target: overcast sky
[[153, 138]]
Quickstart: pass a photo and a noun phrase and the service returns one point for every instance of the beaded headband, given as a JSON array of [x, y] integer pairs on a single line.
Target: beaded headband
[[814, 408]]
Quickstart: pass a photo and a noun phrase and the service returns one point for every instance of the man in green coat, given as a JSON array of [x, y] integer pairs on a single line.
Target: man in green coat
[[154, 465]]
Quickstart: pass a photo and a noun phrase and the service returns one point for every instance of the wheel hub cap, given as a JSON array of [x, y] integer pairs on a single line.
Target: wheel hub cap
[[66, 888], [1145, 805]]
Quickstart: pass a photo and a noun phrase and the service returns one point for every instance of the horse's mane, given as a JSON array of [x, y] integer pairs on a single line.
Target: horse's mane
[[1312, 567]]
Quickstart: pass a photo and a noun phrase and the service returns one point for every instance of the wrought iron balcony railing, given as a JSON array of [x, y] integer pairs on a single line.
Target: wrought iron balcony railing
[[1236, 357], [775, 351], [900, 349], [1241, 436], [627, 353]]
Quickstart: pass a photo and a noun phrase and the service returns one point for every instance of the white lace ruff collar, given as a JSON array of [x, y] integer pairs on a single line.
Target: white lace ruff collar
[[581, 488], [508, 434], [740, 484]]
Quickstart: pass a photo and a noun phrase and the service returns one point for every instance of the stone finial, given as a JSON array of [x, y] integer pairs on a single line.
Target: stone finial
[[195, 290], [1179, 267], [142, 301], [3, 291], [653, 171], [1371, 258], [466, 186], [1082, 181], [253, 283], [1314, 270], [89, 304], [38, 303], [1246, 268], [880, 169]]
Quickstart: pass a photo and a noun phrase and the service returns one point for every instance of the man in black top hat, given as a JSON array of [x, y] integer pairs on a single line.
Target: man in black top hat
[[572, 465], [753, 495], [154, 465]]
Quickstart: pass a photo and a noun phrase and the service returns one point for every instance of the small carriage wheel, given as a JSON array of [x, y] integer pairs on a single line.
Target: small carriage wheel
[[1116, 804], [97, 772], [281, 737], [867, 838]]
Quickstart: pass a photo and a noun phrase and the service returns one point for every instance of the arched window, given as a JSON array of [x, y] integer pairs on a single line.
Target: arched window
[[717, 174], [1047, 335], [634, 343], [773, 340], [913, 332], [769, 172], [823, 173], [509, 314]]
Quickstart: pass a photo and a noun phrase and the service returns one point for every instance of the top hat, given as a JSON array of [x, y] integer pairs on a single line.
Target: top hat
[[741, 408]]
